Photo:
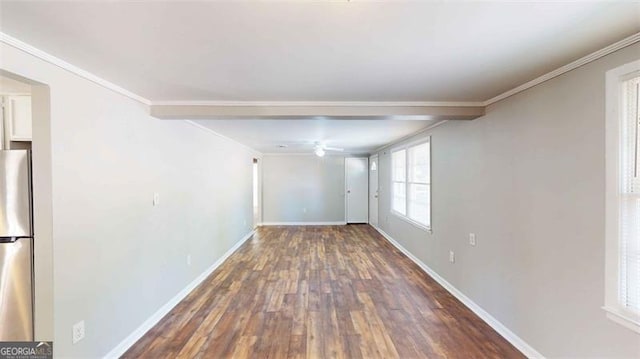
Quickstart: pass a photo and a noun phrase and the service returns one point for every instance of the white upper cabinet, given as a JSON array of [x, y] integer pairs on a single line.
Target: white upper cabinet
[[18, 117]]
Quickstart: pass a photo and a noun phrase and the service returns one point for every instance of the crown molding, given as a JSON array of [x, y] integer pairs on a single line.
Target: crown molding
[[212, 112], [312, 154], [12, 41], [566, 68], [321, 103], [630, 40], [20, 45]]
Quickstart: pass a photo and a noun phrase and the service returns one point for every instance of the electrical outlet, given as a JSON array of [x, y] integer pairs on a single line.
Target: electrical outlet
[[189, 259], [78, 331], [156, 199], [472, 239], [452, 257]]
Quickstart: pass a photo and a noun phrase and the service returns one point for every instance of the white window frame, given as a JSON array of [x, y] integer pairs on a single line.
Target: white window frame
[[405, 217], [613, 307]]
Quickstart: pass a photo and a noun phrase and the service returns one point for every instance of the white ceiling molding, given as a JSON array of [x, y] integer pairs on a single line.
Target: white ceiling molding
[[9, 40], [630, 40], [320, 103], [568, 67], [311, 154], [338, 111], [12, 41]]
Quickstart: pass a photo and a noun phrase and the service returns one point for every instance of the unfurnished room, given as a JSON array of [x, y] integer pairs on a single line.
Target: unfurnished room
[[319, 179]]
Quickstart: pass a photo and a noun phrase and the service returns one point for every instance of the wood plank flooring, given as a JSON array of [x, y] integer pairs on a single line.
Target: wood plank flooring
[[320, 292]]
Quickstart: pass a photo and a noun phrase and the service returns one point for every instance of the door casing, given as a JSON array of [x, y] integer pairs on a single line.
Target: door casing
[[373, 190], [356, 182]]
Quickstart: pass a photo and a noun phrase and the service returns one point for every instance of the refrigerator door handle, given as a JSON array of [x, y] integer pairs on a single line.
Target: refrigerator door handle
[[8, 239]]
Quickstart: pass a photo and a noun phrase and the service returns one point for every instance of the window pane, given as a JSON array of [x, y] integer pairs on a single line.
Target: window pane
[[419, 203], [399, 198], [629, 230], [398, 165], [630, 252], [635, 108], [255, 185], [631, 109], [419, 163]]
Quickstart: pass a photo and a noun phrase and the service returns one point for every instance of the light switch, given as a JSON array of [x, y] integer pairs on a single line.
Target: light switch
[[156, 199]]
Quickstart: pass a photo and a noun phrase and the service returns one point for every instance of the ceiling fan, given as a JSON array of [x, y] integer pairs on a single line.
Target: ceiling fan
[[320, 149]]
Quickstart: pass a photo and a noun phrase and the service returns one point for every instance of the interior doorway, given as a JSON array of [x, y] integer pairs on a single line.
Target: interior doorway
[[25, 125], [256, 192], [373, 190], [357, 189]]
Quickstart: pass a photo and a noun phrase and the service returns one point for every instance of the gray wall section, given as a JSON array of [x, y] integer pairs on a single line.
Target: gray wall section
[[116, 258], [528, 178], [293, 183]]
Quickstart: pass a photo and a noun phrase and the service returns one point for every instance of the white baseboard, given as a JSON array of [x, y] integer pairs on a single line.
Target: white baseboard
[[511, 337], [160, 313], [304, 223]]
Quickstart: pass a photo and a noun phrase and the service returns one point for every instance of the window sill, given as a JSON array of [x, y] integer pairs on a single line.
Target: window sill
[[622, 318], [412, 222]]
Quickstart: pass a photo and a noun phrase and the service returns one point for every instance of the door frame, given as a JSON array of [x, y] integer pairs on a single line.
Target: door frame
[[256, 191], [346, 198], [377, 195]]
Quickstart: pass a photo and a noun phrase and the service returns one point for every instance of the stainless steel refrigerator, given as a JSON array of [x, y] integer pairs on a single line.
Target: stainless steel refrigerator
[[16, 247]]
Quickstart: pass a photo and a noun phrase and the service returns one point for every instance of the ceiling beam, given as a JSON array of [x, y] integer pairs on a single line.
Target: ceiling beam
[[185, 111]]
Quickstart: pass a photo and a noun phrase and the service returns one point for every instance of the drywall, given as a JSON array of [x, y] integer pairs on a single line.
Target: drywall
[[116, 257], [528, 179], [302, 188], [10, 86], [42, 213]]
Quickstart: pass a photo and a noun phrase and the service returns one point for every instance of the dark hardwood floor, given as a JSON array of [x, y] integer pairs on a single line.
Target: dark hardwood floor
[[320, 292]]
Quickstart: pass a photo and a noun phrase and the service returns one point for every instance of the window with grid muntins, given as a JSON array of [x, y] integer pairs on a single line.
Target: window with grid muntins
[[629, 198], [411, 183]]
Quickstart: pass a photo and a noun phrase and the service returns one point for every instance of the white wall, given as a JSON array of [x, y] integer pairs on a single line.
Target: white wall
[[10, 86], [116, 258], [528, 179], [293, 183], [42, 210]]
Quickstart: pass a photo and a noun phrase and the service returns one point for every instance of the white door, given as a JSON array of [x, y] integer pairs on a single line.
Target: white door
[[357, 188], [256, 192], [373, 191]]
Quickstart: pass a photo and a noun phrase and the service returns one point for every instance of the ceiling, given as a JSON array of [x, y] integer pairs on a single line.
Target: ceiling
[[318, 51], [288, 51], [354, 136]]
